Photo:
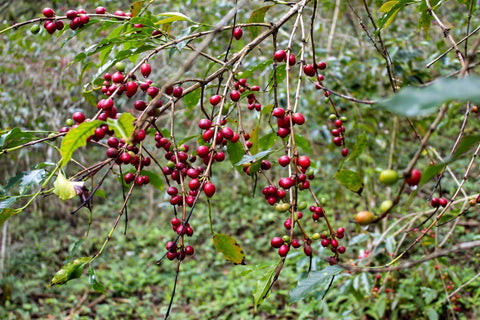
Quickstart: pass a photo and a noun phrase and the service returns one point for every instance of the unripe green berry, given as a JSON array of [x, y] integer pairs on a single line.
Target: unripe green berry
[[120, 66], [316, 236], [286, 239], [35, 29]]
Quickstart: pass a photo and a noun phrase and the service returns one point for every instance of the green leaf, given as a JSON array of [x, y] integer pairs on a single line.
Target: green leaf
[[77, 138], [235, 153], [268, 140], [26, 179], [301, 142], [359, 146], [432, 314], [390, 9], [71, 270], [257, 16], [387, 6], [428, 294], [263, 284], [411, 101], [173, 16], [123, 126], [135, 8], [254, 139], [252, 158], [155, 179], [14, 137], [230, 249], [317, 281], [93, 282], [350, 179], [281, 73], [191, 99]]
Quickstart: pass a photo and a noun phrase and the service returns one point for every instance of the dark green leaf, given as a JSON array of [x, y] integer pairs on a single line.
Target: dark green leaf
[[257, 16], [302, 143], [123, 126], [155, 179], [252, 158], [14, 137], [350, 179], [411, 101], [230, 249], [94, 283], [267, 140], [359, 146], [191, 99], [26, 179], [74, 250], [71, 270], [315, 282], [235, 153], [263, 284], [77, 138], [267, 109]]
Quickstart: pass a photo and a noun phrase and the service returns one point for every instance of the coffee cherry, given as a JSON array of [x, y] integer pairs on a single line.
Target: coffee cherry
[[443, 202], [284, 161], [59, 25], [189, 251], [283, 250], [34, 29], [48, 12], [204, 124], [227, 133], [145, 69], [209, 189], [364, 217], [334, 243], [237, 33], [214, 100], [292, 60], [132, 87], [304, 162], [177, 92], [386, 205], [280, 55], [414, 178], [309, 70], [100, 10], [435, 202], [235, 95], [288, 224], [278, 112], [341, 249], [298, 118], [265, 165], [321, 65], [51, 27], [388, 177], [117, 77], [203, 151], [296, 243], [79, 117], [276, 242], [325, 242], [344, 152], [338, 141], [129, 177], [307, 249]]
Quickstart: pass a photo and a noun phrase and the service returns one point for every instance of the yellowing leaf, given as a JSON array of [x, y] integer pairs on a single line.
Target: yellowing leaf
[[135, 8], [230, 249], [173, 16], [64, 188], [387, 6], [69, 271]]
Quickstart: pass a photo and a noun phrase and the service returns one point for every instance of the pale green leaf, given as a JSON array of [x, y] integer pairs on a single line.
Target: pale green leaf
[[123, 126], [76, 138]]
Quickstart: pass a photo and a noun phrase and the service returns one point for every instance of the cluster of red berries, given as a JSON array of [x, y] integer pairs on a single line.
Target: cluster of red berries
[[179, 251], [281, 55], [338, 133], [285, 121]]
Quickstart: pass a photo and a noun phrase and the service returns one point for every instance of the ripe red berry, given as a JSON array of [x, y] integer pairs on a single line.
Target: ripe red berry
[[283, 250], [298, 118], [296, 243], [189, 250], [48, 12], [288, 224], [100, 10], [307, 249], [175, 223], [235, 95], [341, 249], [129, 177], [280, 55], [214, 100], [117, 77], [344, 152], [145, 69], [304, 162], [59, 24], [435, 202], [284, 160], [51, 27], [237, 33], [276, 242], [443, 202], [177, 92], [278, 112], [414, 178], [286, 183], [309, 70], [84, 19], [78, 117], [337, 141], [203, 151], [204, 124], [325, 243], [227, 133], [321, 65], [132, 87], [292, 60], [209, 189]]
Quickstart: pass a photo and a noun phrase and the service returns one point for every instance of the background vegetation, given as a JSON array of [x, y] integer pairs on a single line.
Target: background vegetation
[[44, 79]]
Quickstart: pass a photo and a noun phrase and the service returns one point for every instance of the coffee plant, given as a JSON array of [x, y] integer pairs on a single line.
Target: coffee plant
[[371, 176]]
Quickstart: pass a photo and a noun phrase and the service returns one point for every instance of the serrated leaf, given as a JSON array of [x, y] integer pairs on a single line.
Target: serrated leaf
[[71, 270], [123, 126], [76, 138], [155, 179], [135, 8], [230, 249], [350, 179], [173, 16], [301, 142], [257, 16], [94, 283], [192, 98], [252, 158], [317, 281], [423, 101], [359, 146], [26, 179], [263, 284], [235, 153]]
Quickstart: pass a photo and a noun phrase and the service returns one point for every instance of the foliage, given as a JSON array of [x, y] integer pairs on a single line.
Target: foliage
[[317, 128]]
